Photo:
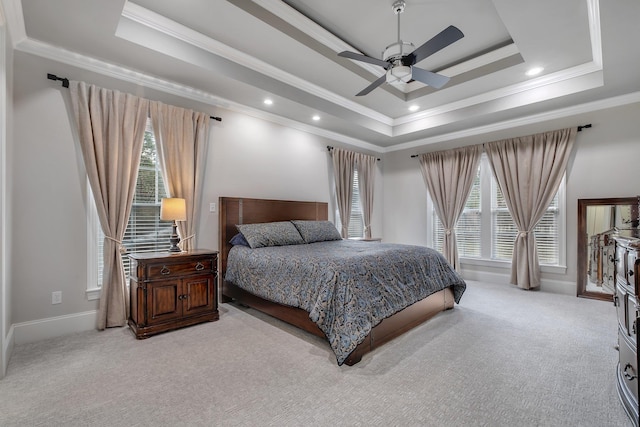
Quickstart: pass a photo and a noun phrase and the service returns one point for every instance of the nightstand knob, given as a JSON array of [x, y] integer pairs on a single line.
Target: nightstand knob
[[165, 271], [199, 266]]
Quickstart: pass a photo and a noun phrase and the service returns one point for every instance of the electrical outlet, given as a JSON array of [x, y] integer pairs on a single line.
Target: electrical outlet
[[212, 207], [56, 297]]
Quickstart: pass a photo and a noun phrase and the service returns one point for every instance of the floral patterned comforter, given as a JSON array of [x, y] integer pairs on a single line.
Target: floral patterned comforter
[[348, 287]]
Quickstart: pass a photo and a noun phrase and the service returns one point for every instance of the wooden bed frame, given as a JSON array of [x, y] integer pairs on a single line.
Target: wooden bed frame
[[248, 211]]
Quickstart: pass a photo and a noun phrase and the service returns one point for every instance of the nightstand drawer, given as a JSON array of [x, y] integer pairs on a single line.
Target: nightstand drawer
[[170, 269]]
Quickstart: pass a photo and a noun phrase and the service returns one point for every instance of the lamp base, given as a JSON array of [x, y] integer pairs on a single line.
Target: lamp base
[[174, 239]]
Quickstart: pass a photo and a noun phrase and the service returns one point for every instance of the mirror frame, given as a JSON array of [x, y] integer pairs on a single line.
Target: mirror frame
[[581, 273]]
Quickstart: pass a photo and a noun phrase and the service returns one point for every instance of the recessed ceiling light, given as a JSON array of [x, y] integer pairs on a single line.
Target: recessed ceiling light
[[316, 117], [414, 108], [268, 101], [534, 71]]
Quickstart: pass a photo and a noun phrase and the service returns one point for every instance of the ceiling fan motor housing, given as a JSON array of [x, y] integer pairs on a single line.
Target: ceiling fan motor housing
[[397, 50]]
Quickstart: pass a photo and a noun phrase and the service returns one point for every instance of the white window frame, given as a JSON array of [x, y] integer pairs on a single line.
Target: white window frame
[[486, 260], [94, 289]]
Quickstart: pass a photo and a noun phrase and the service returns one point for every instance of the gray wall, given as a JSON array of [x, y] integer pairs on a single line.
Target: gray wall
[[246, 157]]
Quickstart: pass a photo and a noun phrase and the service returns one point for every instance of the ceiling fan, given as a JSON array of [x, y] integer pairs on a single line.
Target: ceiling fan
[[399, 58]]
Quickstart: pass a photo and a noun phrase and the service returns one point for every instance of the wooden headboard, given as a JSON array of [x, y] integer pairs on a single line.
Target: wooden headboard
[[235, 210]]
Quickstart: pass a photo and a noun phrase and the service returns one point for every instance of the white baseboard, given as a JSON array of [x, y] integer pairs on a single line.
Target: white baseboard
[[53, 327], [546, 285]]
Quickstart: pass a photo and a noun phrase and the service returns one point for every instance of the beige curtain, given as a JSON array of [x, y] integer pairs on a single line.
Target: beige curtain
[[366, 166], [529, 171], [343, 166], [111, 128], [449, 176], [181, 138]]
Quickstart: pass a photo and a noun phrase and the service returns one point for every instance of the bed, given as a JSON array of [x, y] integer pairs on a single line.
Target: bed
[[258, 285]]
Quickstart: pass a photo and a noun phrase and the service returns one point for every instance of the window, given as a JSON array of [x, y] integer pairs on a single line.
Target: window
[[356, 222], [468, 227], [486, 231], [145, 232]]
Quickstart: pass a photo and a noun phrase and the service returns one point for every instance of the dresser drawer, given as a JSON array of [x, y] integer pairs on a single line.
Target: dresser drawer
[[169, 269], [632, 269], [621, 264], [628, 366], [621, 306], [632, 315]]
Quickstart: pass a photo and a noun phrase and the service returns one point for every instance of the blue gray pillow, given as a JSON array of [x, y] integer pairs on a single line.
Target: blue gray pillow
[[239, 239], [270, 234], [317, 231]]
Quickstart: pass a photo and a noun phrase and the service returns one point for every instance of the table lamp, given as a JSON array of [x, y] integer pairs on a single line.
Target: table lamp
[[173, 209]]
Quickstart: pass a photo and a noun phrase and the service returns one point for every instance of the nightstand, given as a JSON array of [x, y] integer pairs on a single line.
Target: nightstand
[[172, 290]]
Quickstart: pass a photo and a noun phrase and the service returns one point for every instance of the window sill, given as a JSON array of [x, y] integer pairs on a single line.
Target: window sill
[[93, 294], [506, 265]]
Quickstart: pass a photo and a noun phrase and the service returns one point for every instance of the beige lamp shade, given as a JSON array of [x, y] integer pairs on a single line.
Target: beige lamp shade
[[174, 209]]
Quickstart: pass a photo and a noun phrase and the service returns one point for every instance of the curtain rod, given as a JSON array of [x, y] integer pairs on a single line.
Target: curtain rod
[[329, 148], [65, 83], [587, 126]]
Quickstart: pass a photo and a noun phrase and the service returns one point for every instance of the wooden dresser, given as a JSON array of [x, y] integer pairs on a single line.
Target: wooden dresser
[[172, 290], [626, 300]]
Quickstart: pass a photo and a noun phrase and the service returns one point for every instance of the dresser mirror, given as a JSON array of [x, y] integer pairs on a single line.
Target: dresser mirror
[[599, 221]]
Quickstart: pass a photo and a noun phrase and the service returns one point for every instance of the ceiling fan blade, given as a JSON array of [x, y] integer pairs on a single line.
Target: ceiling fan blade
[[429, 78], [447, 36], [372, 86], [364, 58]]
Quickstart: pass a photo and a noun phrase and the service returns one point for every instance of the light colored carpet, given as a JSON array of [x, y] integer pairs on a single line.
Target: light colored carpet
[[503, 357]]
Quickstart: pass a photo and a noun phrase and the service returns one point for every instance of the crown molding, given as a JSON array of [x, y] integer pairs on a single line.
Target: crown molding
[[593, 10], [180, 32], [502, 93], [603, 104], [54, 53], [307, 26], [121, 73], [320, 34], [164, 25], [15, 20]]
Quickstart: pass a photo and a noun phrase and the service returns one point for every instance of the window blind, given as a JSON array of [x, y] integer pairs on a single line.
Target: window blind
[[469, 224], [505, 231], [356, 221]]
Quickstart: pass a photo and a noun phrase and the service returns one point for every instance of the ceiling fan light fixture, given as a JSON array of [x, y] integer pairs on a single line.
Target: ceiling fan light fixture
[[399, 74]]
